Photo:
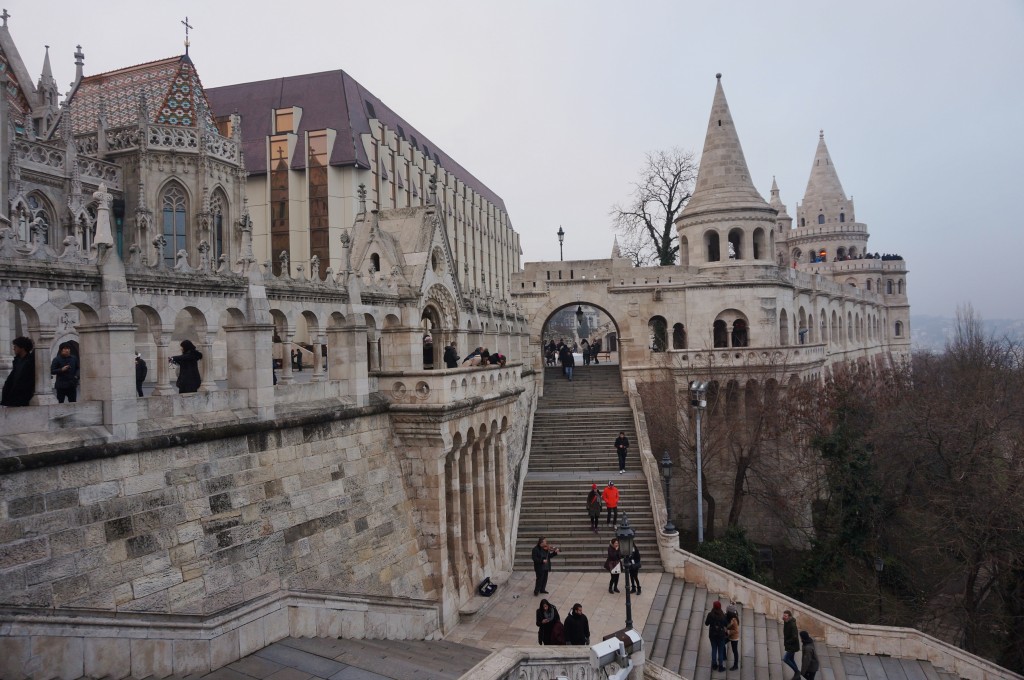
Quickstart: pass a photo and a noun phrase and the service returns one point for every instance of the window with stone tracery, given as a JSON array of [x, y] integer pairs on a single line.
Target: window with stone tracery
[[174, 206], [218, 208], [40, 211]]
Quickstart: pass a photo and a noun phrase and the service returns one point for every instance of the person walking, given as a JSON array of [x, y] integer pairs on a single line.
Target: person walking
[[585, 351], [808, 656], [732, 628], [140, 373], [567, 362], [715, 621], [633, 572], [451, 356], [610, 496], [577, 627], [621, 448], [188, 365], [613, 565], [594, 506], [791, 642], [20, 385], [547, 617], [595, 349], [542, 554], [64, 368]]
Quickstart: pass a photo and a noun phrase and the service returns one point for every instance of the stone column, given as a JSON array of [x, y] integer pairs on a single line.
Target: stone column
[[504, 508], [480, 505], [453, 520], [5, 313], [43, 339], [108, 374], [402, 349], [286, 377], [207, 373], [318, 359], [493, 537], [164, 371], [248, 346], [748, 244], [349, 361], [468, 513]]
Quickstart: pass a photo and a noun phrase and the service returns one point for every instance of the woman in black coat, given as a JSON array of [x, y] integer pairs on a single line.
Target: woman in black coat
[[612, 564], [188, 368], [547, 617]]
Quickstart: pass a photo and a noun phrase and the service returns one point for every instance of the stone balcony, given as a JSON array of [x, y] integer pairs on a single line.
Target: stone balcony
[[448, 386]]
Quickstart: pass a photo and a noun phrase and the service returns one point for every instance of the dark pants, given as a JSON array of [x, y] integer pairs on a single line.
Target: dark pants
[[138, 388], [593, 520], [789, 659], [613, 511], [622, 459], [68, 393], [718, 654], [735, 653], [633, 579], [613, 584], [542, 579]]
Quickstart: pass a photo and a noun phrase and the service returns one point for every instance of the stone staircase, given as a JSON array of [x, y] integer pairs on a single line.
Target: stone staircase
[[574, 431], [677, 640]]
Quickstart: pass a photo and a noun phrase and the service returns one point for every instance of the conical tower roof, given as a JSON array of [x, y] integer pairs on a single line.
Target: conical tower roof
[[775, 201], [723, 181], [823, 186]]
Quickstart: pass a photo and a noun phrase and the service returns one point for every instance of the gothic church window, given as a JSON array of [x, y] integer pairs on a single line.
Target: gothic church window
[[821, 218], [711, 246], [174, 222], [899, 329], [218, 207], [842, 217], [740, 337], [40, 210]]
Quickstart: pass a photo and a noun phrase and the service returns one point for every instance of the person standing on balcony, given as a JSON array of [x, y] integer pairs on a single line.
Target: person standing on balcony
[[451, 356], [64, 368], [21, 381], [140, 373], [188, 368]]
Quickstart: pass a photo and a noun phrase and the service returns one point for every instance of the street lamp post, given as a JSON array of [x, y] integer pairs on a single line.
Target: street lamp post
[[698, 398], [561, 237], [666, 474], [626, 535]]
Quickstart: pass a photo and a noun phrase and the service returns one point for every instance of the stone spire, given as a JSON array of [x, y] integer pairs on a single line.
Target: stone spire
[[775, 201], [823, 186], [616, 252], [723, 182]]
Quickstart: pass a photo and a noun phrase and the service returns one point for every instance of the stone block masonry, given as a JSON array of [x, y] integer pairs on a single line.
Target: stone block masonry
[[204, 549]]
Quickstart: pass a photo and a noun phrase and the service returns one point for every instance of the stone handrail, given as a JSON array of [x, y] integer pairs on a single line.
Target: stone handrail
[[446, 386], [543, 663], [850, 637]]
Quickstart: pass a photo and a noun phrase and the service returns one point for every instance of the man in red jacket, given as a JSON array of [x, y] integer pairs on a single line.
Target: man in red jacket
[[610, 496]]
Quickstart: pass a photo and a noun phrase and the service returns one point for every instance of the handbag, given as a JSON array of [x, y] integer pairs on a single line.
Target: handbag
[[617, 569]]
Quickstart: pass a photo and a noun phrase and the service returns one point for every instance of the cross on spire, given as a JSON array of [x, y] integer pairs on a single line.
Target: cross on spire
[[186, 25], [5, 16]]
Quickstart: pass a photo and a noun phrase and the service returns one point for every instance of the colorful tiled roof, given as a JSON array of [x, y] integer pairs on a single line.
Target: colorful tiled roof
[[171, 88], [331, 99], [19, 105]]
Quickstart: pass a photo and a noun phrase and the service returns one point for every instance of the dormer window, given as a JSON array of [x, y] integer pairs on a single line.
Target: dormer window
[[283, 121]]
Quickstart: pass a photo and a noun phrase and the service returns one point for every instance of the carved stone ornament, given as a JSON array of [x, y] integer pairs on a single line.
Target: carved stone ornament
[[159, 243], [181, 262], [72, 251]]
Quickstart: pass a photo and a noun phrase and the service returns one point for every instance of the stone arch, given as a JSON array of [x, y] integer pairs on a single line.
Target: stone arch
[[736, 327], [803, 326], [720, 333], [40, 207], [712, 247], [684, 251], [760, 251], [658, 331], [833, 328], [898, 329], [796, 254], [220, 225], [678, 336], [567, 297], [736, 241], [783, 328]]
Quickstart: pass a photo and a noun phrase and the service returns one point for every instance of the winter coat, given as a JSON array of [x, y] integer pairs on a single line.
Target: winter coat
[[140, 370], [577, 629], [20, 385], [791, 635], [64, 380], [733, 627], [621, 443], [715, 621], [809, 659], [594, 503], [451, 357], [188, 374], [610, 496], [545, 626]]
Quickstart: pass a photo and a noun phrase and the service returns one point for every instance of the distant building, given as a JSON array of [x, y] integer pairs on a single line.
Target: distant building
[[310, 141]]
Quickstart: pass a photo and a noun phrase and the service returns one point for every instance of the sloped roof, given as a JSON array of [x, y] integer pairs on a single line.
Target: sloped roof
[[723, 181], [171, 88], [823, 185], [330, 99], [19, 86]]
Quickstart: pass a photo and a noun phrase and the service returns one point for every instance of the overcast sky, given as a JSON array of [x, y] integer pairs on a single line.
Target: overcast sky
[[554, 104]]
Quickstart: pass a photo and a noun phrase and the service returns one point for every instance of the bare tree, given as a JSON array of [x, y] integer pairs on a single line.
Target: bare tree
[[647, 221]]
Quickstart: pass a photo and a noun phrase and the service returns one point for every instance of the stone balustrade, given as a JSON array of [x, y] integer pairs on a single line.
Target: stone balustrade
[[443, 387]]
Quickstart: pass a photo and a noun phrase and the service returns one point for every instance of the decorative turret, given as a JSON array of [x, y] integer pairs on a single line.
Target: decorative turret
[[726, 219], [824, 202]]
